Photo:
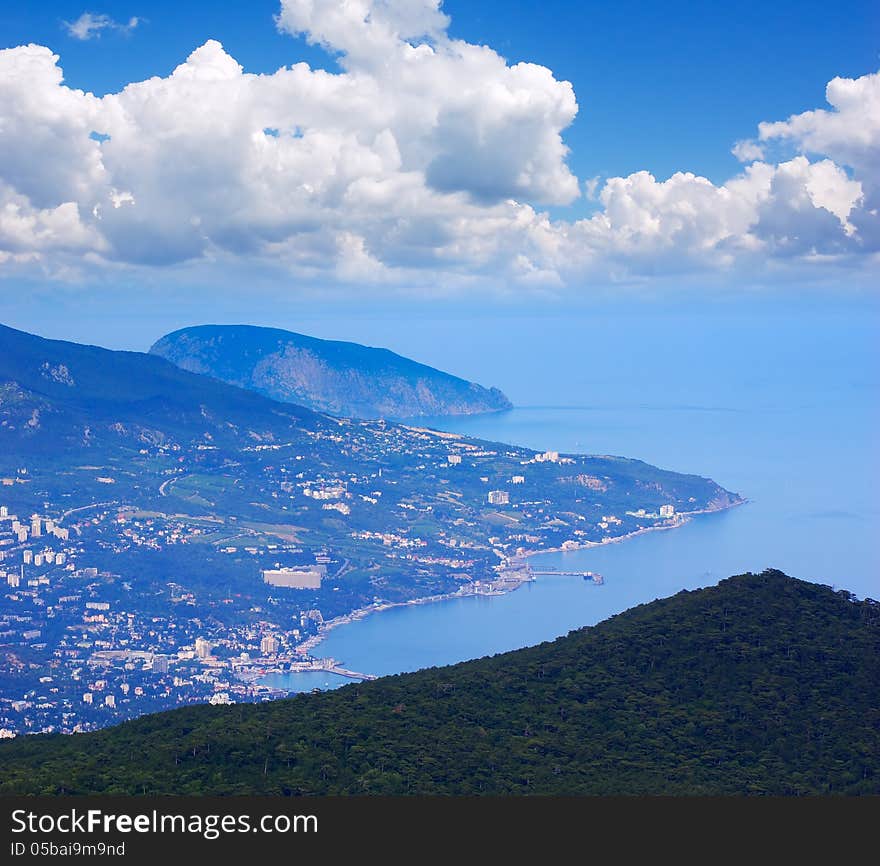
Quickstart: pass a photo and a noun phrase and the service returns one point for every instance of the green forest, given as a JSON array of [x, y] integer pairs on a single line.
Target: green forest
[[762, 685]]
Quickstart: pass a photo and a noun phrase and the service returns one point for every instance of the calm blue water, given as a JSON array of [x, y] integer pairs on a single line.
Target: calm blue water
[[305, 681], [783, 409]]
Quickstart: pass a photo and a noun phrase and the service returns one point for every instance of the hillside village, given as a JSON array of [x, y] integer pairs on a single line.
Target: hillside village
[[146, 582]]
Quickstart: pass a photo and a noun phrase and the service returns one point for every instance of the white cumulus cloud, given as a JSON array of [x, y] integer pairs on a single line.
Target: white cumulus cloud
[[747, 151], [424, 160], [849, 134]]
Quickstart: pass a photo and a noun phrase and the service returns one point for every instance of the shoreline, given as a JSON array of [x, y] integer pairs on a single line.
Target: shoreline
[[588, 545], [360, 613]]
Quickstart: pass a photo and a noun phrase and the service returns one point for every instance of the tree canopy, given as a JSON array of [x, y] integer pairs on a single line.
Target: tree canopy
[[762, 684]]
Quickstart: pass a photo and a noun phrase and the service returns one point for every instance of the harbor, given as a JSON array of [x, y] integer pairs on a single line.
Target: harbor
[[300, 669]]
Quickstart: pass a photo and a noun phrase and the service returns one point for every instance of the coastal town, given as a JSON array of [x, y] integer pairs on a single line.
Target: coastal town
[[171, 578]]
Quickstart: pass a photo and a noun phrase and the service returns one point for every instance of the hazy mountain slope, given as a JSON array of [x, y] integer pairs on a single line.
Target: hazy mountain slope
[[57, 394], [761, 685], [330, 376]]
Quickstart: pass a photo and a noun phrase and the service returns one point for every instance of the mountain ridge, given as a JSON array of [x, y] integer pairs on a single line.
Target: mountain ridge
[[338, 377], [60, 387]]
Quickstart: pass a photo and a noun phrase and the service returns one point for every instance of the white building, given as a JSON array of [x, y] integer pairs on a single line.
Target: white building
[[667, 511], [219, 698], [296, 578], [454, 459], [335, 491], [203, 648], [499, 497], [547, 457]]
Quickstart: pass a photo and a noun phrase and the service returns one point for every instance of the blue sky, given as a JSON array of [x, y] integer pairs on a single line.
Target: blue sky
[[460, 181]]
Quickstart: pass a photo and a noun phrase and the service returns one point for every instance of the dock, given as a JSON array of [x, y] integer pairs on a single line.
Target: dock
[[331, 666], [586, 575], [353, 675]]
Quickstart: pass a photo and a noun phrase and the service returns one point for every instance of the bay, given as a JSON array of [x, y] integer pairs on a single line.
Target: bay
[[781, 409]]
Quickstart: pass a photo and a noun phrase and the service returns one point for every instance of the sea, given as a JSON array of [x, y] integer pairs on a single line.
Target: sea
[[777, 400]]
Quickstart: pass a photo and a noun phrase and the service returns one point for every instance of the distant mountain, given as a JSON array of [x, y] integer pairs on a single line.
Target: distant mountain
[[55, 394], [326, 375], [760, 685]]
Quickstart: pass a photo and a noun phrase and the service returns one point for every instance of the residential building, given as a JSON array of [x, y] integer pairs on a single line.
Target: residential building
[[269, 645]]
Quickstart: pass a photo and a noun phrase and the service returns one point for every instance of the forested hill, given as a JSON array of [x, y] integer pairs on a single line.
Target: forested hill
[[761, 685], [325, 375]]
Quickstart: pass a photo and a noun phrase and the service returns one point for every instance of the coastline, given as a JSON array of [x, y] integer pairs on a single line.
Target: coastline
[[588, 545], [358, 614]]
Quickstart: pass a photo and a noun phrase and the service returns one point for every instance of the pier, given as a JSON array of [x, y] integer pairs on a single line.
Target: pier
[[345, 672], [331, 666], [587, 575]]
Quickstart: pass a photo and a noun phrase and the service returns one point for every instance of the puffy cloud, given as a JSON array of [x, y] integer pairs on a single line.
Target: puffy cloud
[[423, 161], [461, 115], [405, 143], [849, 134], [747, 151], [48, 155], [795, 207], [25, 230], [364, 30], [89, 25]]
